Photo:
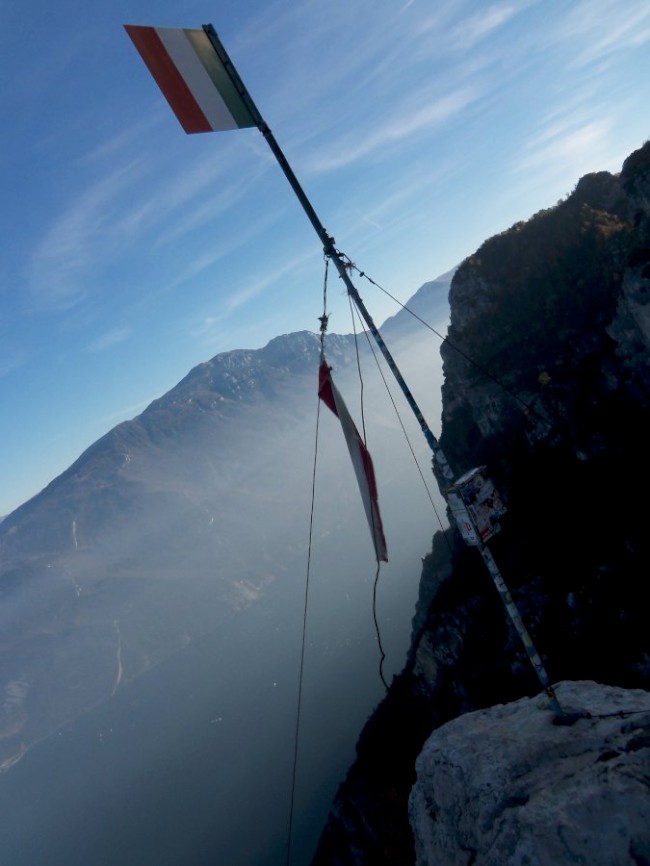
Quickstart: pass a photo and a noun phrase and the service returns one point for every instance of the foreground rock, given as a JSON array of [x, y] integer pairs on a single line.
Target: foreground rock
[[507, 785]]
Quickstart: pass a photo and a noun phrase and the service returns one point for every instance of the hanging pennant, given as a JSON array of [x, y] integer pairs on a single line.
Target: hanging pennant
[[361, 459]]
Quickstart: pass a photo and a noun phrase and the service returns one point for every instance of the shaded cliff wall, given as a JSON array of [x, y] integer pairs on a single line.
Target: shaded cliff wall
[[547, 383]]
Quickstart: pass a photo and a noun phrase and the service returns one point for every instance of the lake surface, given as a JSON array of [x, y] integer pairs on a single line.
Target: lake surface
[[192, 762]]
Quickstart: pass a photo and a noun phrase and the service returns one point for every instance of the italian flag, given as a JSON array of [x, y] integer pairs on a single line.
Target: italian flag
[[192, 78]]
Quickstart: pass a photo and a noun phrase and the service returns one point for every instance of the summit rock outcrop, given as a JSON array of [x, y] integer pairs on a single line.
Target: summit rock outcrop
[[510, 785]]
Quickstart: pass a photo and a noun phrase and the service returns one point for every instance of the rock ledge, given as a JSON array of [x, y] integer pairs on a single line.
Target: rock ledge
[[508, 785]]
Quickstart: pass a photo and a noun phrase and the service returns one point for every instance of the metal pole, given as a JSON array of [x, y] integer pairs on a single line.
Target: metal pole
[[332, 253], [518, 623], [328, 247]]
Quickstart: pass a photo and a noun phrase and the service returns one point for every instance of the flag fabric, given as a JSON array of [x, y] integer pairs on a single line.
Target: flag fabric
[[192, 78], [361, 459]]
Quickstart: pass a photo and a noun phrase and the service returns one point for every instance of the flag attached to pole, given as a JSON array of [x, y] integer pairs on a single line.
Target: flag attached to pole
[[361, 460], [192, 78]]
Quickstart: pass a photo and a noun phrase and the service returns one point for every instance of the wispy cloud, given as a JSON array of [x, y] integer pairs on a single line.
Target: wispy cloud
[[110, 338], [399, 204], [124, 141], [200, 196], [258, 285], [565, 147], [472, 30], [126, 201], [222, 248], [401, 126], [599, 28], [212, 321], [71, 242]]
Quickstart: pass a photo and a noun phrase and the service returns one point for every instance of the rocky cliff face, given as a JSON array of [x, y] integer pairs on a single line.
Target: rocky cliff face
[[547, 383]]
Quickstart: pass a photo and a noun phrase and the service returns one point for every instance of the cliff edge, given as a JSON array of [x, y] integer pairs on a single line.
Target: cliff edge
[[510, 785]]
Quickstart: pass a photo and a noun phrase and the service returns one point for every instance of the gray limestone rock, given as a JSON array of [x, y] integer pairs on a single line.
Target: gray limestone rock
[[508, 785]]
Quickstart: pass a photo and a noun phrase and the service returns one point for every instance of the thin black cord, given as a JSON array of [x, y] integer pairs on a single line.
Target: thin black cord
[[382, 654], [303, 642], [323, 329]]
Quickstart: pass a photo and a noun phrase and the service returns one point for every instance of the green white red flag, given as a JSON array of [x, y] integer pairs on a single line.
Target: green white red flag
[[192, 78], [361, 459]]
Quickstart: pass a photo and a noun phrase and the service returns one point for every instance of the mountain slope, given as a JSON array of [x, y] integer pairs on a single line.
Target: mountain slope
[[150, 527], [157, 587]]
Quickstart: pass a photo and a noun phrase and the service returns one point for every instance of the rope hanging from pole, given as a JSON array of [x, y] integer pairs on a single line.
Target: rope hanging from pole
[[382, 653], [294, 773], [324, 319]]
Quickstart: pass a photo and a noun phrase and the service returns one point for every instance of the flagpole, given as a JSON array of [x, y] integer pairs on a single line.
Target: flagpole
[[328, 245], [438, 455]]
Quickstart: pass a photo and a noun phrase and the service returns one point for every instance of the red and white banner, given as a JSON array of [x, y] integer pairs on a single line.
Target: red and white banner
[[361, 459]]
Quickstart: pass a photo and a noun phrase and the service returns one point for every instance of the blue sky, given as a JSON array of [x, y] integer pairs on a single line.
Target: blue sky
[[132, 252]]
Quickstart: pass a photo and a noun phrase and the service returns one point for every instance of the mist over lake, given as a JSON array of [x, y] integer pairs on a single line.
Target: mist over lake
[[187, 757]]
